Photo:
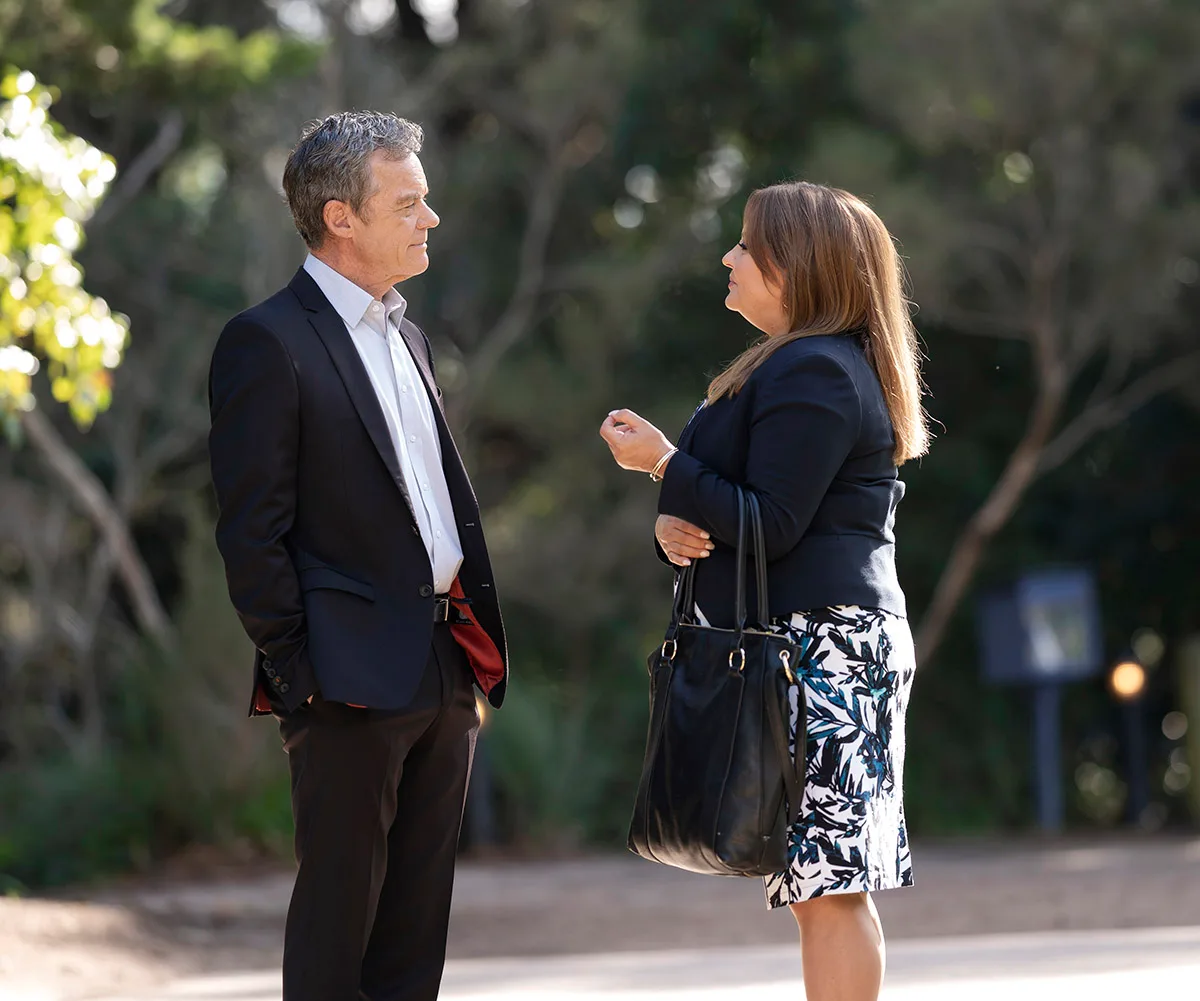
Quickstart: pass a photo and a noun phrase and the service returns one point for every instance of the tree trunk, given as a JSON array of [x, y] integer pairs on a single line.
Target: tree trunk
[[995, 512], [89, 493]]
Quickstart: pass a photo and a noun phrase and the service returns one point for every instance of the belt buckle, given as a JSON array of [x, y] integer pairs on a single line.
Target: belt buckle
[[441, 609]]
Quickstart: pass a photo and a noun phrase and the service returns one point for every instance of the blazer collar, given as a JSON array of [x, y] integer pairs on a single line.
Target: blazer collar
[[330, 327], [351, 301]]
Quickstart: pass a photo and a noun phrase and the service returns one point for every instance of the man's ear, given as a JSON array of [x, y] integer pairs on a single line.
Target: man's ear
[[337, 219]]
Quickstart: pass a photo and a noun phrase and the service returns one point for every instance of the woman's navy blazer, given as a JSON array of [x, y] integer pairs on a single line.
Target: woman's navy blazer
[[810, 434]]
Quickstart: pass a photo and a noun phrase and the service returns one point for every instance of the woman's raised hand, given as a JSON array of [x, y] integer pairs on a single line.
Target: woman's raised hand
[[681, 540], [635, 443]]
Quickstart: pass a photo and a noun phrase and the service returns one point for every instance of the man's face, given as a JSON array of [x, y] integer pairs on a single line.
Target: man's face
[[390, 232]]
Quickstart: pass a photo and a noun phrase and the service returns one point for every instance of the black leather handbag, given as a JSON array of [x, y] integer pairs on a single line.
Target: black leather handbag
[[719, 787]]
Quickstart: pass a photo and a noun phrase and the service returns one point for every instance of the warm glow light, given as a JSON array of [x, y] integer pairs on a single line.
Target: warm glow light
[[1127, 679]]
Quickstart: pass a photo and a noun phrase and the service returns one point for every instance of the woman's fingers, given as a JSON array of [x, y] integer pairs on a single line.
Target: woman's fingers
[[681, 548], [611, 432], [626, 417], [676, 542], [681, 540], [684, 529]]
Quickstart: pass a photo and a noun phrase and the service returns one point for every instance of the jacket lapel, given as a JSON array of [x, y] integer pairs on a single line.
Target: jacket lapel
[[346, 360], [420, 355], [689, 430]]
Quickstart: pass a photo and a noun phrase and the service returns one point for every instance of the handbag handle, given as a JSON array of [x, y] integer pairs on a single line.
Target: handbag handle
[[684, 609], [739, 589], [750, 545], [758, 547]]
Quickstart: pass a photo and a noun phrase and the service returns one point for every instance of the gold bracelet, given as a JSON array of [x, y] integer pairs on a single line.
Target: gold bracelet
[[655, 473]]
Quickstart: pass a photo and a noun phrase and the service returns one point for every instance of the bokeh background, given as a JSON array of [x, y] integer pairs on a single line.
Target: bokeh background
[[1037, 160]]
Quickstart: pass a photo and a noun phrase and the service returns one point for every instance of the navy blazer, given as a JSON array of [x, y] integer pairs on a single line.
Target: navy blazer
[[325, 563], [810, 434]]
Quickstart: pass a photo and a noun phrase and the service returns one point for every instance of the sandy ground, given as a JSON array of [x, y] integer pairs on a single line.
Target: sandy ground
[[133, 934]]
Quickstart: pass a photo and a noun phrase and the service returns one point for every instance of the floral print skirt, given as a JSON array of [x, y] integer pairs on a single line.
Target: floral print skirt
[[857, 666]]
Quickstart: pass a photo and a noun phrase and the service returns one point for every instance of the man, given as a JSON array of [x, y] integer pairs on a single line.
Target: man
[[356, 562]]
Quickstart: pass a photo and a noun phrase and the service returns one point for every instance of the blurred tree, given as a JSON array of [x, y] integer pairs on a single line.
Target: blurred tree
[[50, 183], [161, 95], [1043, 195]]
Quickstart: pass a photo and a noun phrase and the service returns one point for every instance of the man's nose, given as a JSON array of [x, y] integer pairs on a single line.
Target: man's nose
[[431, 218]]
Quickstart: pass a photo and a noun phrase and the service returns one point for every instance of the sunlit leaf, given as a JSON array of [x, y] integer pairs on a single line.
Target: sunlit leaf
[[50, 183]]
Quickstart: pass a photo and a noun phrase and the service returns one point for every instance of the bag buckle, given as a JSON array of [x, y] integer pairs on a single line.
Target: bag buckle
[[786, 657], [739, 652], [674, 649]]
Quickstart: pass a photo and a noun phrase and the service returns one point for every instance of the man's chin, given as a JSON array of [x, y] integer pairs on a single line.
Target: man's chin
[[414, 265]]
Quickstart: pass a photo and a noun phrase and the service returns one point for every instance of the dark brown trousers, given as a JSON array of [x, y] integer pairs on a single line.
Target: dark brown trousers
[[377, 798]]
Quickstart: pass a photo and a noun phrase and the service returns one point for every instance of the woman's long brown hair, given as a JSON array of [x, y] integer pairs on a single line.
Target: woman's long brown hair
[[838, 268]]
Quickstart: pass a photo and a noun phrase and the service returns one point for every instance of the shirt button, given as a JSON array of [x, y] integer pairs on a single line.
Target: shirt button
[[404, 389], [438, 534], [412, 437]]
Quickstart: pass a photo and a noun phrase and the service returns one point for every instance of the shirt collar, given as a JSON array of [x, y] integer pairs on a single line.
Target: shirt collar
[[351, 301]]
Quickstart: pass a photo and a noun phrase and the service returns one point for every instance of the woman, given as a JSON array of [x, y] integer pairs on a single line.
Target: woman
[[815, 418]]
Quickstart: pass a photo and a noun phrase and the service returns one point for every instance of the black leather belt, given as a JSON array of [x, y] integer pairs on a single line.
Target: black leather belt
[[442, 608]]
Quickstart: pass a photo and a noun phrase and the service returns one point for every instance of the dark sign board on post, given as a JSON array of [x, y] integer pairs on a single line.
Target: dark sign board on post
[[1043, 631], [1045, 627]]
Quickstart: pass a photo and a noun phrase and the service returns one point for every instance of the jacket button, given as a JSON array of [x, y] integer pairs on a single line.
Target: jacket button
[[267, 665], [425, 591], [270, 672], [276, 680], [284, 687]]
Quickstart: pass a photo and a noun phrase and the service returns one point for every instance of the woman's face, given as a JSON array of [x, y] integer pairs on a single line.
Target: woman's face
[[750, 294]]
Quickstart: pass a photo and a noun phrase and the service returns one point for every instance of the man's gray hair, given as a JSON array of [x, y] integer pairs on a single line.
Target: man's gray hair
[[331, 162]]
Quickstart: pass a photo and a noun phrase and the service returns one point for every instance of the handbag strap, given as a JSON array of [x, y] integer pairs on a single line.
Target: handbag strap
[[684, 608], [750, 545], [792, 763], [739, 589], [758, 551]]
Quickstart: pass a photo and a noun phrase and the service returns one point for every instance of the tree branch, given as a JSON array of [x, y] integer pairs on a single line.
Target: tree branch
[[980, 323], [531, 271], [91, 497], [1019, 472], [142, 167], [1111, 411]]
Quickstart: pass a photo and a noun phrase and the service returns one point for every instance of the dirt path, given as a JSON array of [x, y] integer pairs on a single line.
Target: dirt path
[[136, 933]]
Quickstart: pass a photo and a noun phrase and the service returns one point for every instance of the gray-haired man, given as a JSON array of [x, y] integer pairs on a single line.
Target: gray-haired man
[[355, 559]]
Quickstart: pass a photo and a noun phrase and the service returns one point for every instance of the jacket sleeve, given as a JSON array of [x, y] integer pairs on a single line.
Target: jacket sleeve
[[253, 447], [804, 423]]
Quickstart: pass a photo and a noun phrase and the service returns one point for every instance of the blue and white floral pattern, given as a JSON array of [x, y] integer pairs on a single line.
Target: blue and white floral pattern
[[857, 669]]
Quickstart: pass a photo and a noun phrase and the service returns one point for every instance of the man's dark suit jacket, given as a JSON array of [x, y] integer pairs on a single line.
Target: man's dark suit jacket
[[810, 434], [326, 566]]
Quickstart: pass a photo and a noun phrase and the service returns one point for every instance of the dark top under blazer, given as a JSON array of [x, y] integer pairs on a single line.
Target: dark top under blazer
[[325, 564], [810, 434]]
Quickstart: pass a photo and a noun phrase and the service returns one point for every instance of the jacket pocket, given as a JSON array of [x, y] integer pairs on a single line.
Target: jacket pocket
[[316, 577]]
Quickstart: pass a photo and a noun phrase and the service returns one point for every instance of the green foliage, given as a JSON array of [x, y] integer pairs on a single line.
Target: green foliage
[[589, 161], [50, 183], [63, 821], [566, 759], [181, 765], [112, 48]]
